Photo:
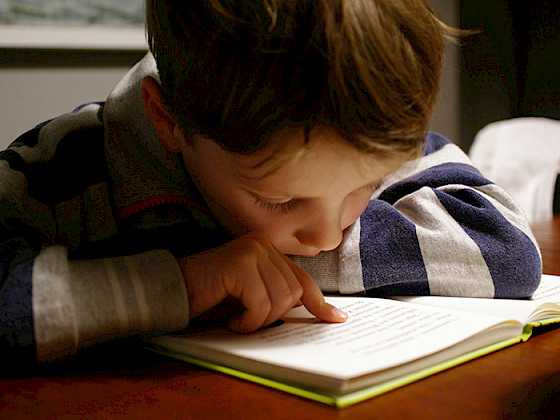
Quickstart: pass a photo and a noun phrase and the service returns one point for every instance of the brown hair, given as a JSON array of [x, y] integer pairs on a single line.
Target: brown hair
[[237, 71]]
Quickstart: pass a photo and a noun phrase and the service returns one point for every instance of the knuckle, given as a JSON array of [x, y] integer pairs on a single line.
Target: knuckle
[[263, 307], [298, 290], [287, 298], [249, 247], [256, 241]]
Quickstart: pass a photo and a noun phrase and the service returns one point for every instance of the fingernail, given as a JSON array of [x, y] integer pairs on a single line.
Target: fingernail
[[339, 313]]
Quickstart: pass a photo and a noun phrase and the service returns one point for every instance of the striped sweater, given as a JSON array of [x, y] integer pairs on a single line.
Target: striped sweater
[[94, 212]]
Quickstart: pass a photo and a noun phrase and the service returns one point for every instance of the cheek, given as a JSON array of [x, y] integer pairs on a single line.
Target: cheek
[[278, 228], [354, 210], [231, 210], [245, 216], [235, 216], [275, 226]]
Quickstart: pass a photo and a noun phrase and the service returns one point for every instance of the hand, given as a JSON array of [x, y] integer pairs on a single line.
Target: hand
[[263, 280]]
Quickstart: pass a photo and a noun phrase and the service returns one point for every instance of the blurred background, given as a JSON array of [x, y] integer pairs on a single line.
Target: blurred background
[[58, 54]]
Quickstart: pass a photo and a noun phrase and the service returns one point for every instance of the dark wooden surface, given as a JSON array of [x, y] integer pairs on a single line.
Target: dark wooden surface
[[548, 237], [519, 382]]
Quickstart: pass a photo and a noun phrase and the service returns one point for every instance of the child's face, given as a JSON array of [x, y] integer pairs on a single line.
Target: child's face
[[304, 206]]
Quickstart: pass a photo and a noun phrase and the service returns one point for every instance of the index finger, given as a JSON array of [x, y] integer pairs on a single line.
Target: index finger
[[313, 299]]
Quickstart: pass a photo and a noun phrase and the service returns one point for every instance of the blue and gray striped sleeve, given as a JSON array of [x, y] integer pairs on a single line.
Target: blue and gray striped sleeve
[[439, 227], [32, 179]]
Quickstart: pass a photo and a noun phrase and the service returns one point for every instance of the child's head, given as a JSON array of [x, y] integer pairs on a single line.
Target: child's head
[[289, 112], [236, 71]]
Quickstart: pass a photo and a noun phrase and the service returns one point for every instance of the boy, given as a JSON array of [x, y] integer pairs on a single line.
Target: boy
[[269, 128]]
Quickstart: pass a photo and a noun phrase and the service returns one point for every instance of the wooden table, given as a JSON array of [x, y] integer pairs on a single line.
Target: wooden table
[[548, 237], [519, 382]]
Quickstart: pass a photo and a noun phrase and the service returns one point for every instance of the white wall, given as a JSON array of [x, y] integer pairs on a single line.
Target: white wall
[[46, 71], [30, 95]]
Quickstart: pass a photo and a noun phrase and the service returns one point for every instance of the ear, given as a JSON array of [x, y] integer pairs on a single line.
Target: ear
[[161, 118]]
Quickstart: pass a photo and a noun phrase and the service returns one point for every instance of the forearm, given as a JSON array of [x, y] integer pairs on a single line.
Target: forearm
[[450, 241], [79, 303], [54, 307]]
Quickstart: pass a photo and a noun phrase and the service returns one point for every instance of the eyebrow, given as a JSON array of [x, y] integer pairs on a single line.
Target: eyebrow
[[276, 159], [262, 194]]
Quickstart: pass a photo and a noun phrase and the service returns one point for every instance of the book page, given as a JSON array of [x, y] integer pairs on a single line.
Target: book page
[[522, 310], [549, 289], [379, 334]]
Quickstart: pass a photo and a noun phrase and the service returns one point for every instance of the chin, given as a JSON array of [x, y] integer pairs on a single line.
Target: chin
[[298, 249], [311, 255], [308, 254]]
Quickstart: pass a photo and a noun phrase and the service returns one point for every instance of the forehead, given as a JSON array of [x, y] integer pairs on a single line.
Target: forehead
[[286, 146], [293, 159]]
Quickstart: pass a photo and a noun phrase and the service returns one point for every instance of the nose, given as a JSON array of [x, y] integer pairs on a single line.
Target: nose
[[324, 233]]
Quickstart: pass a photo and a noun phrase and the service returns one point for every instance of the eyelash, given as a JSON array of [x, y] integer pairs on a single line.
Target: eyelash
[[372, 187], [286, 207]]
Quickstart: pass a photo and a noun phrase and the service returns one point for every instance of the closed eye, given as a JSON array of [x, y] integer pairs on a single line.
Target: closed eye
[[290, 205], [285, 207]]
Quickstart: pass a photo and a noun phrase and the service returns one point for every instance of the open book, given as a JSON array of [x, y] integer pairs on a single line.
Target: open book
[[385, 344]]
